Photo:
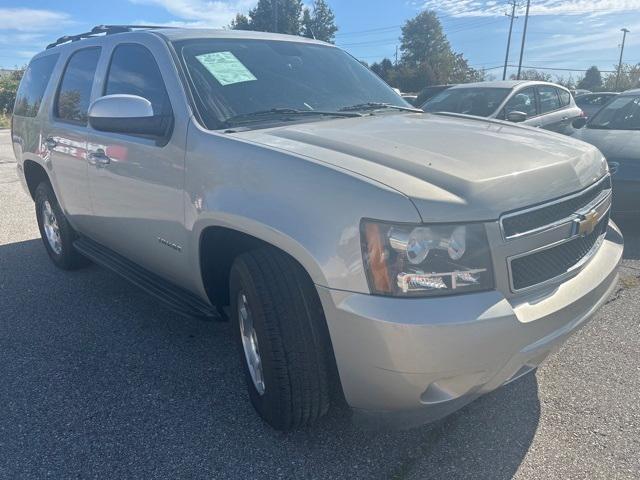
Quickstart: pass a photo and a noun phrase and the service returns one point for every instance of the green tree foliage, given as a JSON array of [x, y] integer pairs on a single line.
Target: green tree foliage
[[592, 80], [533, 75], [319, 24], [279, 16], [427, 58], [8, 88], [629, 78]]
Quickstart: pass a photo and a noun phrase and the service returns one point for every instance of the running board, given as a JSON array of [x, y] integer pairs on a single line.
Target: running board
[[176, 298]]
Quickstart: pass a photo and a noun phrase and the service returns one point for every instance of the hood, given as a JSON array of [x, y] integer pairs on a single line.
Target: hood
[[453, 168], [614, 144]]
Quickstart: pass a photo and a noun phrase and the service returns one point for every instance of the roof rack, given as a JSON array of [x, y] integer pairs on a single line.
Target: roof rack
[[102, 29]]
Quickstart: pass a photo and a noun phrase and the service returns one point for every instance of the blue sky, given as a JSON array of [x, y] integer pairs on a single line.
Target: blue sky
[[572, 34]]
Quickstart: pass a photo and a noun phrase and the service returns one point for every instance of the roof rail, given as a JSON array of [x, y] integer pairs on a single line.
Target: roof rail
[[102, 29]]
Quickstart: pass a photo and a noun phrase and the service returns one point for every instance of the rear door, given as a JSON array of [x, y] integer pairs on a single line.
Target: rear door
[[65, 134], [551, 116], [137, 186], [557, 110]]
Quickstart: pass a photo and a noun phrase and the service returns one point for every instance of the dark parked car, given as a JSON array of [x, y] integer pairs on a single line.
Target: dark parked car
[[615, 130], [590, 103], [538, 104]]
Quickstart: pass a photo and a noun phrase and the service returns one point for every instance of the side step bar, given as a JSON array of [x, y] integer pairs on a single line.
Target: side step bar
[[176, 298]]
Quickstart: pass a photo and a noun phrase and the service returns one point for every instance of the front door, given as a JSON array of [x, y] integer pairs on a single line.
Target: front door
[[136, 181]]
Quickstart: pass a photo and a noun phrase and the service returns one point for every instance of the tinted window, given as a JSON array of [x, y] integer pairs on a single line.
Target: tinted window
[[34, 83], [134, 71], [232, 77], [623, 113], [565, 97], [74, 94], [478, 101], [548, 99], [523, 101]]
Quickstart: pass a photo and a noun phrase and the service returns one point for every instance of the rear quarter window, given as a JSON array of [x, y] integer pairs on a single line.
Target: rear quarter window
[[33, 85]]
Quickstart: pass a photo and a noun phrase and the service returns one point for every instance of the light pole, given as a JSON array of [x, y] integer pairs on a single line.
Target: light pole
[[624, 37], [524, 37]]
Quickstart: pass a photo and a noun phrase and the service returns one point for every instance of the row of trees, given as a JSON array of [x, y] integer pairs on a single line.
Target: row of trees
[[290, 17], [593, 79]]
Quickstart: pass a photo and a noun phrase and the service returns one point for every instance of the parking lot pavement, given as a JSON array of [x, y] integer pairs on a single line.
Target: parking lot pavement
[[98, 380]]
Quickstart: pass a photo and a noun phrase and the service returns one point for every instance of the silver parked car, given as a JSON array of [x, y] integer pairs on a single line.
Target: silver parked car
[[615, 130], [590, 103], [404, 261], [538, 104]]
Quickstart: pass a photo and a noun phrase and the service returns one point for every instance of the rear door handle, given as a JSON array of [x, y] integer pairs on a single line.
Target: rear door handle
[[99, 158], [50, 143]]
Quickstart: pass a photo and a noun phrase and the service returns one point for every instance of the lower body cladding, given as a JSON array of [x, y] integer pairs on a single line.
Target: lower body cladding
[[406, 362]]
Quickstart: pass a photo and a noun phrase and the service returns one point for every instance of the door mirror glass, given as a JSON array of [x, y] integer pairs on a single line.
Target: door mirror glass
[[128, 114], [579, 122], [516, 116]]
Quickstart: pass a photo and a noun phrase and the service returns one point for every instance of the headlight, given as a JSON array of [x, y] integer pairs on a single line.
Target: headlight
[[426, 260]]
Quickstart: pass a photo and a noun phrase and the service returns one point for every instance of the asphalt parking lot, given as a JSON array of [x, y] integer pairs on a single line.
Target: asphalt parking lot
[[99, 381]]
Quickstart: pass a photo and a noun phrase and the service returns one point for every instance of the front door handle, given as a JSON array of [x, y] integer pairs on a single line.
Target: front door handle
[[99, 158], [50, 143]]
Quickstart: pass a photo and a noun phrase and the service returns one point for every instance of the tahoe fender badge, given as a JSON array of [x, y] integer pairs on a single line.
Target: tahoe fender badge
[[167, 243]]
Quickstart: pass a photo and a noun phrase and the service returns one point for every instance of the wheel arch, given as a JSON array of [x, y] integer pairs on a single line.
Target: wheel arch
[[219, 245], [34, 174]]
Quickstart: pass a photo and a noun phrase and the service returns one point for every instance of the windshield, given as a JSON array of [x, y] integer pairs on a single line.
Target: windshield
[[479, 101], [235, 78], [623, 113]]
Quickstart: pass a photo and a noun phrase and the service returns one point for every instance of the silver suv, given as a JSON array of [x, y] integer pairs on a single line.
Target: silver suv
[[537, 104], [404, 262]]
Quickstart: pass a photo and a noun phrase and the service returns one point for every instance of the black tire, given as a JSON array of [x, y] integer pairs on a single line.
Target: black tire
[[68, 257], [292, 336]]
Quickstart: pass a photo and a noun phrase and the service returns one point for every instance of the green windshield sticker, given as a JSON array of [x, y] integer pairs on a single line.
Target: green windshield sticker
[[225, 67]]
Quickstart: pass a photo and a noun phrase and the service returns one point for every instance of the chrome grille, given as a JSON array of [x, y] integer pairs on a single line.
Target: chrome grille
[[555, 261], [534, 219]]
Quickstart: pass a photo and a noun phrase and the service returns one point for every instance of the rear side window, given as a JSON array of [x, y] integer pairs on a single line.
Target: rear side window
[[74, 93], [549, 100], [34, 83], [134, 71], [565, 97], [523, 101]]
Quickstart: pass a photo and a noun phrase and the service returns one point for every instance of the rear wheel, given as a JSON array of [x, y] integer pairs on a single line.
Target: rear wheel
[[282, 337], [57, 235]]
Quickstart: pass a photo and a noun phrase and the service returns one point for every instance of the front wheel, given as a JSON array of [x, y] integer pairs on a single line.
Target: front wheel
[[282, 336], [56, 233]]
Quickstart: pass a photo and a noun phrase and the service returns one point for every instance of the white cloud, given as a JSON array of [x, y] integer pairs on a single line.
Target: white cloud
[[201, 13], [31, 20], [476, 8]]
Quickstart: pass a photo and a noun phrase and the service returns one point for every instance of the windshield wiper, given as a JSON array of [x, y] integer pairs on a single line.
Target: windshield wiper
[[281, 112], [378, 106]]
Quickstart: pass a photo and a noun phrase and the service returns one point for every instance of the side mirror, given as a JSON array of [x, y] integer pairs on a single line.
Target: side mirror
[[579, 122], [516, 117], [126, 114]]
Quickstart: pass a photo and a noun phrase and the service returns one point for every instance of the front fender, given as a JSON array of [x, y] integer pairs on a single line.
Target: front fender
[[307, 208]]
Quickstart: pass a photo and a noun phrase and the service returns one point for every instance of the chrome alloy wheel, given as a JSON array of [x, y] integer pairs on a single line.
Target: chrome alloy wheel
[[51, 228], [250, 343]]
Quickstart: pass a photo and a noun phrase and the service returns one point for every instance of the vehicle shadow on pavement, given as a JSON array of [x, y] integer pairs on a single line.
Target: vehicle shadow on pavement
[[630, 228], [99, 380]]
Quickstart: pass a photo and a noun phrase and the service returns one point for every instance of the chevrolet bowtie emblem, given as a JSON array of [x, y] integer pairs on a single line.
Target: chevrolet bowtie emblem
[[587, 224]]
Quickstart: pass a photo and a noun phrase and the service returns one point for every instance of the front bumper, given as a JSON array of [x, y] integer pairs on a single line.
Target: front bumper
[[410, 361]]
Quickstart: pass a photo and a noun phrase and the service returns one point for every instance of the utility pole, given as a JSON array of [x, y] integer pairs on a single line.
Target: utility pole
[[275, 16], [524, 37], [506, 57], [624, 37]]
